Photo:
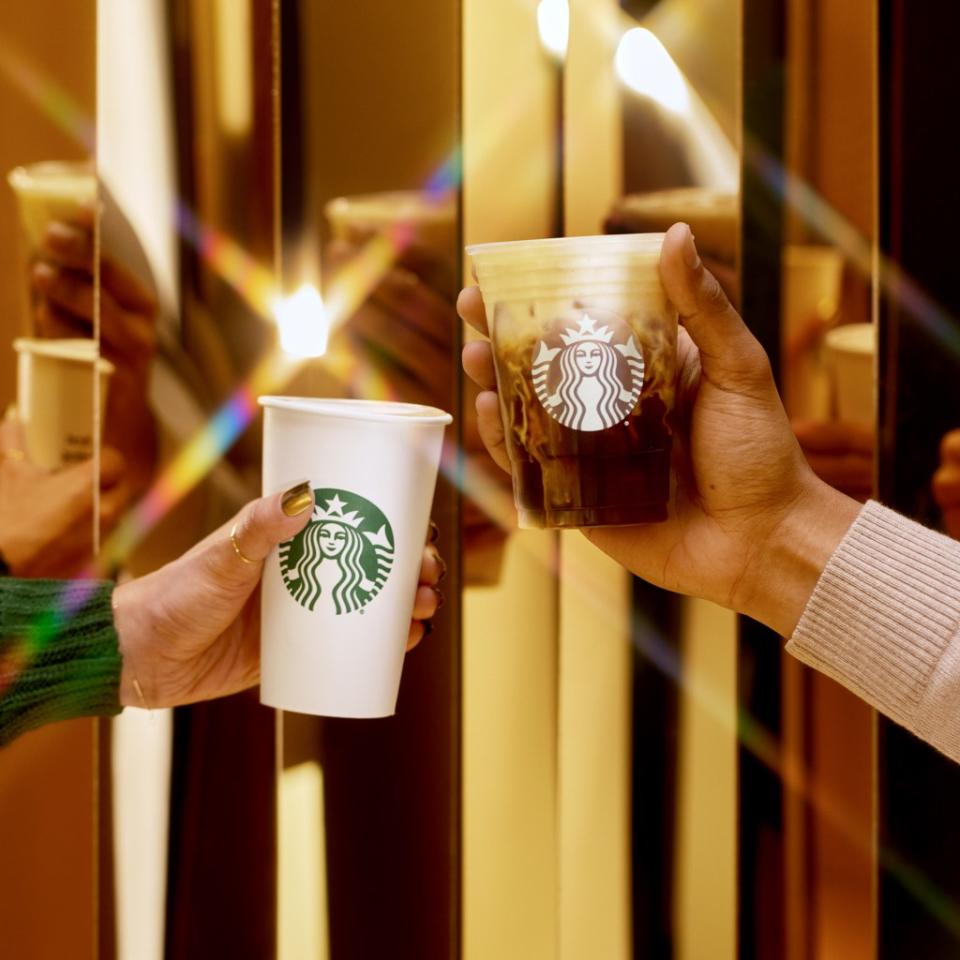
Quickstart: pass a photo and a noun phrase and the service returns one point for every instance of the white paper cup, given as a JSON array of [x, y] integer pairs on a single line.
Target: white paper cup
[[48, 191], [337, 598], [55, 398], [850, 356]]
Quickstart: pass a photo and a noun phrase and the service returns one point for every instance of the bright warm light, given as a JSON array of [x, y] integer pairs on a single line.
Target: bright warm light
[[553, 19], [303, 322], [644, 65]]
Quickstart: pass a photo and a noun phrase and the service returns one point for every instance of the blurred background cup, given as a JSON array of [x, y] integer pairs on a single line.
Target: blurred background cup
[[585, 345], [55, 398], [713, 216], [337, 598], [810, 304], [850, 353], [51, 190], [48, 191], [432, 220]]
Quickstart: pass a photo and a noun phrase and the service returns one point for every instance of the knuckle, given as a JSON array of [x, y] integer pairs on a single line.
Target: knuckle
[[712, 298]]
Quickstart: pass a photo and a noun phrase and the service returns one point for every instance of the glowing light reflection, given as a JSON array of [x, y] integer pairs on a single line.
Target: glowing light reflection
[[553, 22], [643, 64], [303, 324]]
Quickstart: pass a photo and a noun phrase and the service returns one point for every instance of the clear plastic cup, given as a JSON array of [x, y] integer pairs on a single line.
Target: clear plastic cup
[[585, 349]]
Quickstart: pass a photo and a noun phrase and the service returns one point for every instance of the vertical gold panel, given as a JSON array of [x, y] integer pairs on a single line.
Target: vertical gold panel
[[706, 880], [509, 864], [48, 796], [595, 662]]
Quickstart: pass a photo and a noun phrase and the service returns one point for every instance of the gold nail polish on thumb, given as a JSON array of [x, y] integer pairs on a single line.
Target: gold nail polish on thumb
[[297, 499]]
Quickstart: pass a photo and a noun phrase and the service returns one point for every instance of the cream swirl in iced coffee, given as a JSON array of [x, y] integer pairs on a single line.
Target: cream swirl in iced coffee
[[585, 345]]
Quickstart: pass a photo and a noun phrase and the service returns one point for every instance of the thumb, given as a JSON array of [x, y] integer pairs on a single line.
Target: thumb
[[12, 440], [729, 354], [264, 523]]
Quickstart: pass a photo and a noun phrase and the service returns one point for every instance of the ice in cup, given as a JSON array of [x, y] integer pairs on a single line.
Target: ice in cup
[[48, 191], [337, 598], [851, 349], [55, 398], [585, 350]]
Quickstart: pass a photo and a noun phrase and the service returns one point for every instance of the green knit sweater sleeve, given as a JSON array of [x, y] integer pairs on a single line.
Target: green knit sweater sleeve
[[59, 657]]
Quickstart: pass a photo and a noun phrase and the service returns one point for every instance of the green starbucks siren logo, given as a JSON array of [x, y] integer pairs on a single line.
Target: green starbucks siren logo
[[343, 556]]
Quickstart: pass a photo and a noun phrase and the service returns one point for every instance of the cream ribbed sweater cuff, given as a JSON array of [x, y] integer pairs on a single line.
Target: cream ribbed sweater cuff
[[884, 620]]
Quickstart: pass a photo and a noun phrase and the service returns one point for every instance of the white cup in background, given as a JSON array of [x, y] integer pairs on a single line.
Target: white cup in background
[[851, 349], [337, 598], [55, 398]]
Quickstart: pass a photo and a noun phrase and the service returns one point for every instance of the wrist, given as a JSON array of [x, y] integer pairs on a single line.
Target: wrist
[[792, 558], [127, 619]]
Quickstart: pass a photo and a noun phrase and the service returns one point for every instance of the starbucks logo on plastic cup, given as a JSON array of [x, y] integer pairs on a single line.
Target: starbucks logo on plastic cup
[[589, 375], [342, 558]]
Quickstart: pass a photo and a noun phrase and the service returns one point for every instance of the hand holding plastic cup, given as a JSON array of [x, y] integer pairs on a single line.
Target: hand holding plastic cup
[[585, 350], [337, 598]]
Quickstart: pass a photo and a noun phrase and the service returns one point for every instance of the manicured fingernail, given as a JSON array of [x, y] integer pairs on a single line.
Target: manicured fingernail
[[434, 533], [442, 564], [297, 499], [427, 627], [690, 256], [440, 597]]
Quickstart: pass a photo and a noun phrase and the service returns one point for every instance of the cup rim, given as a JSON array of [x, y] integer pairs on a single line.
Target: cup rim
[[65, 348], [633, 242], [415, 205], [33, 177], [853, 339], [377, 411]]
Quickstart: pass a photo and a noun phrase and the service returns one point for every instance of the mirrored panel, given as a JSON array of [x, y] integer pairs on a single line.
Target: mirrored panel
[[54, 389]]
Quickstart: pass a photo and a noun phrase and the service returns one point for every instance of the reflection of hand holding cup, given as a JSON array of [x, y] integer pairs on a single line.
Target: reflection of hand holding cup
[[337, 599], [55, 398], [585, 350]]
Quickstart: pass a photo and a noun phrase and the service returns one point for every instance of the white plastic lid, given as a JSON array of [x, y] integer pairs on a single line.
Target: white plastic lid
[[371, 410], [77, 350]]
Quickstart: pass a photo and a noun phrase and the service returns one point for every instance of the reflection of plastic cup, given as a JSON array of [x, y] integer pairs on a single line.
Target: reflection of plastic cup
[[55, 398], [585, 348], [713, 216], [51, 191], [850, 352], [338, 597], [434, 223]]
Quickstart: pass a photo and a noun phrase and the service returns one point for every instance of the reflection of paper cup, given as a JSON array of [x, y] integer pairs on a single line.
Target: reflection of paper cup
[[850, 355], [812, 281], [433, 223], [585, 349], [810, 299], [338, 597], [55, 398], [51, 191]]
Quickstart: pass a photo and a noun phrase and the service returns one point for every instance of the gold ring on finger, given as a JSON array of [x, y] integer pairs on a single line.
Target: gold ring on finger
[[236, 546]]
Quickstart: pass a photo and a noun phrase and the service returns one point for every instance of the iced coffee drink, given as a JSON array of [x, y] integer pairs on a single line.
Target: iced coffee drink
[[585, 345]]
